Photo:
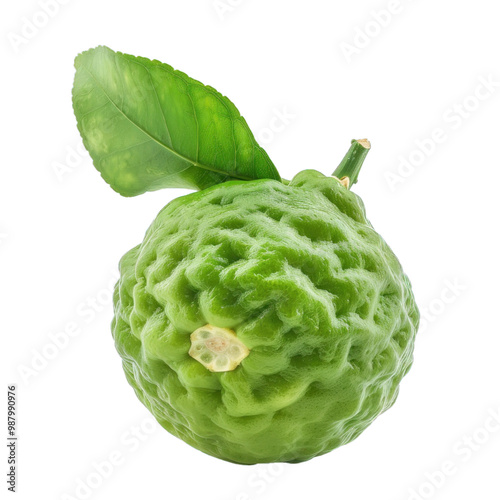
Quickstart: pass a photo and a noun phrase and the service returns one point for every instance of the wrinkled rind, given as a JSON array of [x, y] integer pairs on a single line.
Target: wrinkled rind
[[307, 285]]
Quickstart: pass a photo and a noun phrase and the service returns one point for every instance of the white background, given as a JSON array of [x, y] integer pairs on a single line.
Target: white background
[[63, 230]]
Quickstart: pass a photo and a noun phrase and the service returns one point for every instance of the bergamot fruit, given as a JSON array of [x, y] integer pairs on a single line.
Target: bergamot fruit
[[264, 322], [260, 320]]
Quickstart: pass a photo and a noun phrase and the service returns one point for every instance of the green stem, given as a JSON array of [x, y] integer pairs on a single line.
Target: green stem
[[351, 164]]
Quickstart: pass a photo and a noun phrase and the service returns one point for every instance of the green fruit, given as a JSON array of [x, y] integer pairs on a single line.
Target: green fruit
[[265, 322], [260, 320]]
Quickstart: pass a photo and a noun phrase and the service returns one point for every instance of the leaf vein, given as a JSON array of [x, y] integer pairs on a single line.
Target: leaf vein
[[170, 150]]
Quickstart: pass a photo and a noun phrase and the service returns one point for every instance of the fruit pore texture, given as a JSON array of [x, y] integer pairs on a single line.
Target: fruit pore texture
[[306, 284]]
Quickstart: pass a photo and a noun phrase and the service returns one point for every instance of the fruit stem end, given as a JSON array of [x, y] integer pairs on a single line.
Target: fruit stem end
[[348, 170]]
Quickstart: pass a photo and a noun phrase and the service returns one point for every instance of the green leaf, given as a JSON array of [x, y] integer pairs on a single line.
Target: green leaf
[[148, 126]]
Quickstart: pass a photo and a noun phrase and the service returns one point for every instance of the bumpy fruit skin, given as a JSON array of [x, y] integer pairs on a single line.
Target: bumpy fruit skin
[[305, 283]]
